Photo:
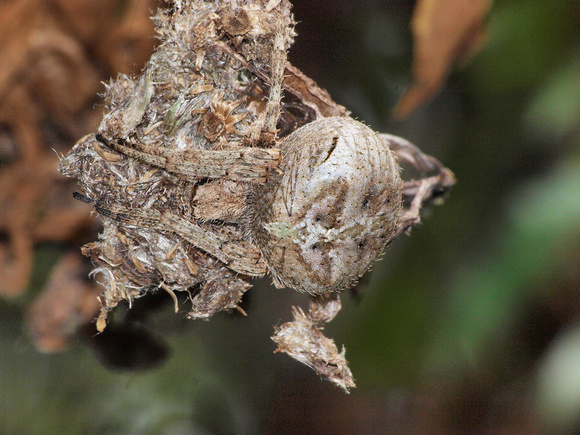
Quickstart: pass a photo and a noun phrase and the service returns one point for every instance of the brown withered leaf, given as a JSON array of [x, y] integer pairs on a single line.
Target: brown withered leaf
[[312, 96], [303, 340], [53, 52], [445, 32], [67, 302]]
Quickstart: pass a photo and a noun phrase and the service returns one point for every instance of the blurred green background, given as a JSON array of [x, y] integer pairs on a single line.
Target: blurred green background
[[471, 325]]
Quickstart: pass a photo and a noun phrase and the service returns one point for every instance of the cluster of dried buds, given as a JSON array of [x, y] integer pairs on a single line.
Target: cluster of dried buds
[[222, 162]]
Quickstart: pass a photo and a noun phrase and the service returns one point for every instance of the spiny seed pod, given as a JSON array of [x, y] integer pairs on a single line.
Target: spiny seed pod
[[328, 215]]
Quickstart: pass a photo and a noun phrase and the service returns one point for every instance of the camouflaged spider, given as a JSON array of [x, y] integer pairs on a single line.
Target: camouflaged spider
[[317, 223]]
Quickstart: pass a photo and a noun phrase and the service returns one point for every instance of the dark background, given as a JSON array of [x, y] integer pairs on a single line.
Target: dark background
[[471, 325]]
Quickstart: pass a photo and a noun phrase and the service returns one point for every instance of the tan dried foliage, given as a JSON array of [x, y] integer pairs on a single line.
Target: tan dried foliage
[[445, 33], [303, 340], [53, 53]]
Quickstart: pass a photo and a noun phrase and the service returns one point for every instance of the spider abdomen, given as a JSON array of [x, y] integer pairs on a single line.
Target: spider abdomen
[[324, 220]]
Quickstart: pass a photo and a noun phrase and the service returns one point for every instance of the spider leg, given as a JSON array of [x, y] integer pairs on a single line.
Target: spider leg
[[241, 164], [238, 255]]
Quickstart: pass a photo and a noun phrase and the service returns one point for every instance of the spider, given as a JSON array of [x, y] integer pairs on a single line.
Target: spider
[[316, 224]]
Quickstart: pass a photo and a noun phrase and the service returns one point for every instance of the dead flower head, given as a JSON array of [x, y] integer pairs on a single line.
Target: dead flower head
[[193, 202]]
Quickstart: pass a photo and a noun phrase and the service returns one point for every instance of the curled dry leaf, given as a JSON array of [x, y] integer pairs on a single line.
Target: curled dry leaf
[[445, 32], [48, 83], [35, 208], [303, 341]]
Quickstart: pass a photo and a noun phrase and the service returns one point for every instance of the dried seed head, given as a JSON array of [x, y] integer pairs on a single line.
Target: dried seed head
[[323, 221]]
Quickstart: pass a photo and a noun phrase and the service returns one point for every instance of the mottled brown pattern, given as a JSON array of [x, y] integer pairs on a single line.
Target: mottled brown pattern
[[312, 222]]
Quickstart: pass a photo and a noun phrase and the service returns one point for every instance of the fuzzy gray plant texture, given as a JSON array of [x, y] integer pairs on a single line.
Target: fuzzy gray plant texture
[[222, 162]]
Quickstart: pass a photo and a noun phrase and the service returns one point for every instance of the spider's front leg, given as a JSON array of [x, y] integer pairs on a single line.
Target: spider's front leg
[[237, 254], [239, 164]]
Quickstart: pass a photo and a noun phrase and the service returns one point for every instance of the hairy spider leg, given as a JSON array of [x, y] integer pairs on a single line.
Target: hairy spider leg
[[240, 164], [238, 255]]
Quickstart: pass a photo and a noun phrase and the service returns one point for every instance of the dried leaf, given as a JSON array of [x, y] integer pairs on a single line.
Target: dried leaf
[[302, 340], [47, 89], [310, 94], [325, 307], [67, 302], [445, 32]]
